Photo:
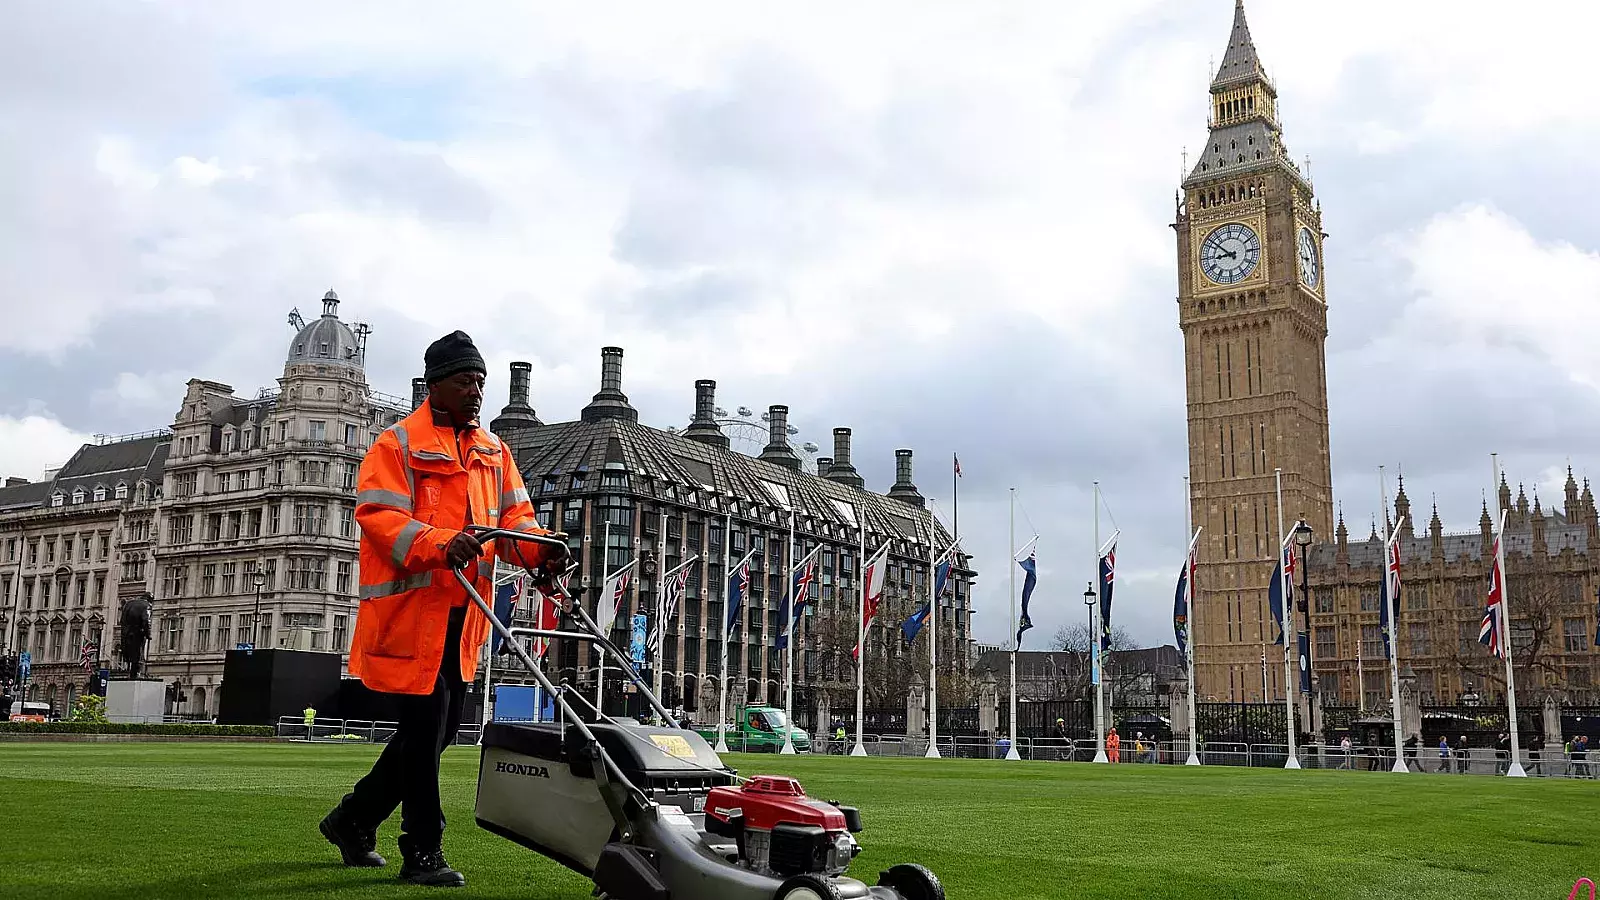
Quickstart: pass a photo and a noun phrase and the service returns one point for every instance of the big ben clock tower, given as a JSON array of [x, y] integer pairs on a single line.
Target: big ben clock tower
[[1252, 307]]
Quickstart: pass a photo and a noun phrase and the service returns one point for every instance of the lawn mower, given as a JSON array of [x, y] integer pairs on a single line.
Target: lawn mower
[[652, 812]]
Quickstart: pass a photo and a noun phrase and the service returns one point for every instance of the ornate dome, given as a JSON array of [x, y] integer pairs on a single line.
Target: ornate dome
[[325, 340]]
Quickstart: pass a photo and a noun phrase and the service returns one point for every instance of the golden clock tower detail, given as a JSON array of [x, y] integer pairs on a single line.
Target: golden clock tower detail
[[1251, 304]]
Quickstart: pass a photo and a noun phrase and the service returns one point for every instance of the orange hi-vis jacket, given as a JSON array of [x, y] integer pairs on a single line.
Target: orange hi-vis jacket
[[420, 485]]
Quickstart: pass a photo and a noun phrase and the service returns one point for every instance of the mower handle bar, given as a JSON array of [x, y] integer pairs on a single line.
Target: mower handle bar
[[612, 769], [595, 635]]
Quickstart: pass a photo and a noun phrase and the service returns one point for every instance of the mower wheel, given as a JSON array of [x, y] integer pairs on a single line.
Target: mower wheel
[[912, 882], [807, 887]]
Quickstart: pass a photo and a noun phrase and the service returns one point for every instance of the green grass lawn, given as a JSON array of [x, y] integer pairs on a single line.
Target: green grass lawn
[[140, 821]]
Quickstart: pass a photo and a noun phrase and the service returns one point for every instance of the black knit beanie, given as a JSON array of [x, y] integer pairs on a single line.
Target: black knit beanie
[[450, 354]]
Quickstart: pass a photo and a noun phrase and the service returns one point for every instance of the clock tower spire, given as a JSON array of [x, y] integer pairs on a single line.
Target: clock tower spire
[[1252, 308]]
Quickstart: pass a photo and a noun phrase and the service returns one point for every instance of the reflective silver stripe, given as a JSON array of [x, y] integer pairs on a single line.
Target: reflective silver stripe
[[511, 498], [405, 454], [429, 454], [527, 525], [390, 588], [380, 497], [402, 542]]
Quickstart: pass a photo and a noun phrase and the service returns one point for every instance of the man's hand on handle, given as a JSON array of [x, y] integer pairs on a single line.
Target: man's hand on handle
[[463, 549]]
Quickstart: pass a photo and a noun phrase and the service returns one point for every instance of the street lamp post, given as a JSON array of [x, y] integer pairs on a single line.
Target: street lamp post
[[260, 581], [1095, 675], [1302, 539]]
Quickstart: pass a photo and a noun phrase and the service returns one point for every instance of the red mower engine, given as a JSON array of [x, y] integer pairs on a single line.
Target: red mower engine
[[780, 831]]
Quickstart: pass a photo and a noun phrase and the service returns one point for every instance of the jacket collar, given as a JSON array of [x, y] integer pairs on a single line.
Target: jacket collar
[[426, 435]]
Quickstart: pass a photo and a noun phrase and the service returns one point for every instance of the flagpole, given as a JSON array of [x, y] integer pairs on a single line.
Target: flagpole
[[727, 597], [1094, 640], [1515, 770], [788, 648], [488, 670], [1391, 596], [1016, 638], [1288, 669], [1194, 596], [605, 576], [933, 638], [661, 611], [860, 748]]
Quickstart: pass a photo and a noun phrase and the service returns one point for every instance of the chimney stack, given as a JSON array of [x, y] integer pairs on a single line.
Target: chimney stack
[[610, 402], [843, 472], [517, 413], [704, 428], [778, 451], [419, 391], [903, 490], [824, 463]]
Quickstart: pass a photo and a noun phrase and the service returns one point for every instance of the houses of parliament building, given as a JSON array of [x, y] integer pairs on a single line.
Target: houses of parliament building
[[1252, 304]]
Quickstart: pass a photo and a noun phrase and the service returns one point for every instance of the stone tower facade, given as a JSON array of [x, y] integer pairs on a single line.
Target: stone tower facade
[[1252, 307]]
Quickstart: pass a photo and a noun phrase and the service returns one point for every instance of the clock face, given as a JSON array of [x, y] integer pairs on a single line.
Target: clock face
[[1306, 249], [1230, 253]]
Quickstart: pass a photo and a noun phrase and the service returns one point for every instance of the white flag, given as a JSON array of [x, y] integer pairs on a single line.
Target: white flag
[[611, 597]]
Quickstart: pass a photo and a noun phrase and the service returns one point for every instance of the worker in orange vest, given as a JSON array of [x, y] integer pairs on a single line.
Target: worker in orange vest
[[1113, 745], [417, 634]]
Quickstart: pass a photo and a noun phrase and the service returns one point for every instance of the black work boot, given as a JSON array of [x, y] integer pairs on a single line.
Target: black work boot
[[356, 844], [424, 864]]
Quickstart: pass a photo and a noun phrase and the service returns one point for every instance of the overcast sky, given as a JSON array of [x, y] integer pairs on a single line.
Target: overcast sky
[[945, 225]]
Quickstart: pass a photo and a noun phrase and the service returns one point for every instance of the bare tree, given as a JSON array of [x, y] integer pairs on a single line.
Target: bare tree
[[1076, 638], [1536, 612]]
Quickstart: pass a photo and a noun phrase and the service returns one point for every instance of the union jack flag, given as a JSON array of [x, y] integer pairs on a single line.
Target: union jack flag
[[1390, 596], [1108, 570], [89, 653], [1489, 633]]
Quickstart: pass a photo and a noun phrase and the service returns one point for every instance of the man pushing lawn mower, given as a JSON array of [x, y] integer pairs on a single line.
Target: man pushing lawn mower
[[417, 636]]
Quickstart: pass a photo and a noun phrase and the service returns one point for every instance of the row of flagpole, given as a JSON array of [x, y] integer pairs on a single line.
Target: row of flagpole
[[1494, 632]]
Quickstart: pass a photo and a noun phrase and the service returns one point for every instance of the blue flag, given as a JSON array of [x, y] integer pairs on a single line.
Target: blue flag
[[1180, 609], [913, 625], [1032, 578], [505, 603], [782, 640], [1108, 565], [738, 587], [1389, 595], [1282, 583]]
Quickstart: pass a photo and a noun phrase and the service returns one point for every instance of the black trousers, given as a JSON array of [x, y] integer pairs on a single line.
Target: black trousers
[[406, 774]]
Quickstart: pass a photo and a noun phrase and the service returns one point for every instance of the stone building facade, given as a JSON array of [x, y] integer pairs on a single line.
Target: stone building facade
[[1553, 573], [1252, 307], [607, 467], [72, 548], [237, 490], [262, 489]]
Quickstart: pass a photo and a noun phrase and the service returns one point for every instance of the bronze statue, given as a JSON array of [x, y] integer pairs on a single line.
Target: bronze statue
[[135, 632]]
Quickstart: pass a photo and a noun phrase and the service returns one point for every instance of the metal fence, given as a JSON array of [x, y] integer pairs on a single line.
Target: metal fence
[[1536, 761]]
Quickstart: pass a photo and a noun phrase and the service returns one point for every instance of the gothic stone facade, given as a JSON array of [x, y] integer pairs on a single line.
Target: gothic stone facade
[[1251, 305], [1553, 572], [608, 469]]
